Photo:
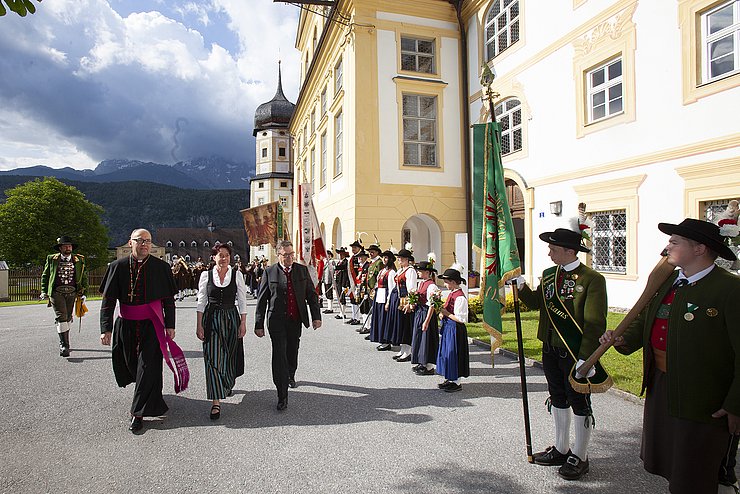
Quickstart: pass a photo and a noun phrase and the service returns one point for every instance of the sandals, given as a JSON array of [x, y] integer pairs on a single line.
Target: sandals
[[215, 412]]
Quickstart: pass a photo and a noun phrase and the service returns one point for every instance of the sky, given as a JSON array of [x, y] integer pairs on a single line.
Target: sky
[[82, 81]]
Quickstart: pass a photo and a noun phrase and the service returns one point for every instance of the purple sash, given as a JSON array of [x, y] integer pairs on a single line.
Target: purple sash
[[153, 311]]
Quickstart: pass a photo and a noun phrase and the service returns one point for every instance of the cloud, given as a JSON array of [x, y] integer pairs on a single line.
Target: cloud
[[87, 84]]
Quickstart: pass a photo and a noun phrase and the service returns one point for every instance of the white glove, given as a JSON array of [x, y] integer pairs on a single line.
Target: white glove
[[43, 296], [591, 371], [83, 298], [520, 282]]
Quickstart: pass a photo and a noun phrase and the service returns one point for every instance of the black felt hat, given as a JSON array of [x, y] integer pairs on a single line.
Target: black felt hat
[[425, 266], [452, 274], [405, 253], [703, 232], [390, 255], [341, 250], [362, 253], [563, 237], [374, 248], [64, 239], [356, 243]]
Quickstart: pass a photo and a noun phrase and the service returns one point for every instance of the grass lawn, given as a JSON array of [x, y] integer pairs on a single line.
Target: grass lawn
[[626, 370]]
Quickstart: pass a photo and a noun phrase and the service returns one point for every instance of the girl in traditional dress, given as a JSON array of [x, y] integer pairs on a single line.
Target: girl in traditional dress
[[399, 317], [425, 341], [221, 326], [453, 359], [386, 283]]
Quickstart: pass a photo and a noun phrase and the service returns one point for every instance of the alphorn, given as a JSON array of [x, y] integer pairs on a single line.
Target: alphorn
[[657, 277]]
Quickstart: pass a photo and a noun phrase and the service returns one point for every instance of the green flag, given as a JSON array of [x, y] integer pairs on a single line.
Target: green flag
[[496, 238]]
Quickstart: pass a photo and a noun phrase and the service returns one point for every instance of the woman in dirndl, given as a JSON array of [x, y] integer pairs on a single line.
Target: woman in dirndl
[[383, 288], [453, 359], [221, 325], [399, 315], [425, 341]]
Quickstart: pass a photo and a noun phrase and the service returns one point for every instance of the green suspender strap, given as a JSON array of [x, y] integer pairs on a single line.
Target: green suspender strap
[[570, 333]]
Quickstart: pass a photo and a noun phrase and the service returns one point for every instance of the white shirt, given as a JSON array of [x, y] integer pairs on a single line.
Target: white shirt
[[695, 277], [431, 290], [382, 293], [461, 308], [411, 278], [571, 266], [241, 289]]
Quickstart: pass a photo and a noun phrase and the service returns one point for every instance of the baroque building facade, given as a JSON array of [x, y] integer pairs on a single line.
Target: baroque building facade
[[623, 105]]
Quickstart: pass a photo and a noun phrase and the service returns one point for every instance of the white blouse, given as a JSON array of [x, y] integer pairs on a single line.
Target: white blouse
[[241, 288], [431, 290], [381, 294], [412, 279], [461, 308]]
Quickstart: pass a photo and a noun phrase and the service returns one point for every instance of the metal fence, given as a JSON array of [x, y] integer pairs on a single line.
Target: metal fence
[[24, 284]]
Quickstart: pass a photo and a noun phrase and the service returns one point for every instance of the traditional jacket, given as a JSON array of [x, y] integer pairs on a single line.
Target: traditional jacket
[[50, 272], [587, 304], [702, 366], [372, 273]]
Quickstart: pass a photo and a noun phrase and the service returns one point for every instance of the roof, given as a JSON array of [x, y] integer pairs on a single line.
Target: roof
[[275, 113], [237, 237]]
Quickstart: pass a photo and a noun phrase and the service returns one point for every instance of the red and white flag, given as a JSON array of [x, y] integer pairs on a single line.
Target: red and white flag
[[312, 249]]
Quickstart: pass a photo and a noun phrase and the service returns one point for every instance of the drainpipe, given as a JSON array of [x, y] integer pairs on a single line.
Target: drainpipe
[[466, 130]]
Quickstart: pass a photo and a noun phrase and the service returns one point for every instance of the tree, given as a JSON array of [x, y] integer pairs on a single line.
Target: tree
[[36, 213], [20, 7]]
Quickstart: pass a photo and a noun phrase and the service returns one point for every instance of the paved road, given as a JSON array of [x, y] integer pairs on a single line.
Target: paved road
[[358, 422]]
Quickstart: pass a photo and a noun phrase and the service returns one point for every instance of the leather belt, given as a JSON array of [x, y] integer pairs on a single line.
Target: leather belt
[[67, 289]]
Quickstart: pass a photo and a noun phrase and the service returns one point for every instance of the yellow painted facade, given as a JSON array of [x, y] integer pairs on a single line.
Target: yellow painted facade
[[357, 199]]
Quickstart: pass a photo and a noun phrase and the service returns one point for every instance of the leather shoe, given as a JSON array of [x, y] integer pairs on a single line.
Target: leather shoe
[[367, 337], [452, 387], [384, 348], [550, 457], [407, 358], [338, 317], [425, 372], [351, 321], [282, 403], [328, 311], [137, 423], [292, 383], [396, 357], [364, 331], [356, 322], [444, 384], [215, 412], [574, 468]]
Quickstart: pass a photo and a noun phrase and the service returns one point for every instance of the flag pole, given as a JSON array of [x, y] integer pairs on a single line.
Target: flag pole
[[487, 78], [522, 372]]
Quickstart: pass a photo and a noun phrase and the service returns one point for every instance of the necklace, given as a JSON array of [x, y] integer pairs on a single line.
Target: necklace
[[134, 280]]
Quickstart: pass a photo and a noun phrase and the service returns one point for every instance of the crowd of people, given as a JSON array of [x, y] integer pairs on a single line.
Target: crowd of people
[[687, 333]]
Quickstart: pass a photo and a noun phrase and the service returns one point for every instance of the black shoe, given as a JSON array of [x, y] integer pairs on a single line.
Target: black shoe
[[407, 358], [452, 387], [425, 372], [137, 423], [417, 367], [355, 322], [550, 457], [396, 357], [328, 311], [444, 384], [574, 468], [63, 345], [367, 337], [292, 383], [351, 321], [364, 331], [384, 348], [215, 412], [338, 317], [282, 403]]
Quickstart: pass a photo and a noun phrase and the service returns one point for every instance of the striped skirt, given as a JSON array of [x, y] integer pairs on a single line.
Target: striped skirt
[[221, 352]]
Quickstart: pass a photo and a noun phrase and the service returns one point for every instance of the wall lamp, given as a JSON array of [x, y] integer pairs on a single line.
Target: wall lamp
[[556, 208]]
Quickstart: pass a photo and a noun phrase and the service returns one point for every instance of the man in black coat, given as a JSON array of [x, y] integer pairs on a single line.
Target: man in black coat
[[284, 292]]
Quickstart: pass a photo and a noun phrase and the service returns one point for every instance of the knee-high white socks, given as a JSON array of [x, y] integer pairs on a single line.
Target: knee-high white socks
[[355, 312], [582, 426], [63, 327], [561, 416]]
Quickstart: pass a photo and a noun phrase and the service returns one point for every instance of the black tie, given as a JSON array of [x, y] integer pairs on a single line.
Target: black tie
[[680, 283]]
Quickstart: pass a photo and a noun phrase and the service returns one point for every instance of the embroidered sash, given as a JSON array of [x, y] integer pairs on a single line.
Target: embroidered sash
[[153, 312], [569, 332]]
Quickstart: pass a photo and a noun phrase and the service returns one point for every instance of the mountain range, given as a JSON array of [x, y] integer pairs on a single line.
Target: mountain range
[[204, 173]]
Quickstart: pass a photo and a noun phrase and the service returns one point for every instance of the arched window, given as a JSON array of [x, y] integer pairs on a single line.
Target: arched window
[[502, 26], [230, 243], [169, 243], [509, 116], [206, 244], [182, 243], [187, 257], [193, 244]]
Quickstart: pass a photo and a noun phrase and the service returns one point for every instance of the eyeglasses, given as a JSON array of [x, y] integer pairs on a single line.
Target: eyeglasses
[[142, 241], [287, 254]]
